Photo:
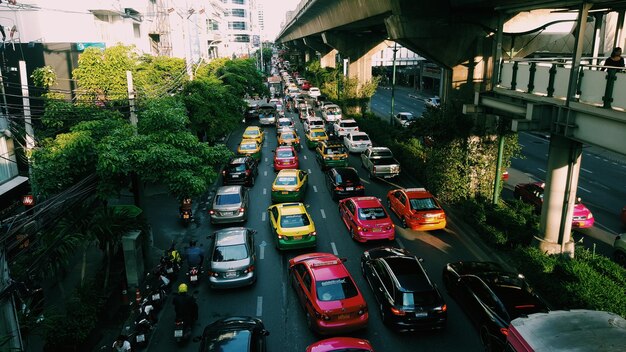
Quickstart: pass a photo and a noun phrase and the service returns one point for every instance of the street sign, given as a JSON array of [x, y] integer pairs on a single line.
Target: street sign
[[28, 200]]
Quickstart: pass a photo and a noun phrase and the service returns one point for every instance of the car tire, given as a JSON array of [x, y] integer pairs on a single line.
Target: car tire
[[383, 316], [620, 258], [309, 323], [352, 235], [485, 339]]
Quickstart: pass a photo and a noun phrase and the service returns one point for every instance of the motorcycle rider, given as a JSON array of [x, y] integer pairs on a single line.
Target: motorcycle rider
[[185, 206], [121, 344], [185, 306], [194, 255]]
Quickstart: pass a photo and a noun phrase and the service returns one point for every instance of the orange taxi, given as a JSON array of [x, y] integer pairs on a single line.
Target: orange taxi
[[417, 209]]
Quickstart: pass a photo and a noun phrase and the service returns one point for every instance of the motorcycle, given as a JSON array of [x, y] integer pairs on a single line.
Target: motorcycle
[[182, 331], [143, 324], [194, 275], [157, 290], [186, 217]]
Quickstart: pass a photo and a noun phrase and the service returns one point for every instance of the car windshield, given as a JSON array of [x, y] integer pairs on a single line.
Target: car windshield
[[284, 153], [237, 167], [287, 135], [251, 133], [226, 199], [318, 134], [229, 341], [335, 289], [285, 122], [294, 220], [248, 146], [410, 299], [421, 204], [360, 138], [372, 213], [286, 181], [230, 253], [335, 150]]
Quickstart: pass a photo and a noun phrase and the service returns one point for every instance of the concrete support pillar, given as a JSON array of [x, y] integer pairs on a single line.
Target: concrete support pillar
[[327, 53], [559, 196], [358, 50], [328, 60], [619, 30]]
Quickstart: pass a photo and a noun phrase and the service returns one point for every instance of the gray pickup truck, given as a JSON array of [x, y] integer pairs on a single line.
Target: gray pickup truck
[[379, 162]]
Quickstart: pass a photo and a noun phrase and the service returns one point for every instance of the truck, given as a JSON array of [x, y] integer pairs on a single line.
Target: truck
[[380, 163], [567, 330]]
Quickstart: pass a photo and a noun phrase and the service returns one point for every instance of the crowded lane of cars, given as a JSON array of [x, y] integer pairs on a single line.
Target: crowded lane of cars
[[316, 256]]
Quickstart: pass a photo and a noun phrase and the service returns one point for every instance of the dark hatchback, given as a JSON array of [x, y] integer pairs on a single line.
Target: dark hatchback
[[234, 334], [343, 182], [407, 299], [491, 297], [240, 170], [251, 113]]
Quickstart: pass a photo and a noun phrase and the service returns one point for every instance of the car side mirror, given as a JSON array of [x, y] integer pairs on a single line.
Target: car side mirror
[[273, 150], [265, 333]]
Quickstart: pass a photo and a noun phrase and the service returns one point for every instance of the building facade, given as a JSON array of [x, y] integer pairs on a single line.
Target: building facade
[[240, 25]]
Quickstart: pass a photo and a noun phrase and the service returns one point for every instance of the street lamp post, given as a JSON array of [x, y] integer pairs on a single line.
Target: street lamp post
[[393, 82]]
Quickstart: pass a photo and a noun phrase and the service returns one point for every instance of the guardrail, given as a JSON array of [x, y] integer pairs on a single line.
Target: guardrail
[[596, 85]]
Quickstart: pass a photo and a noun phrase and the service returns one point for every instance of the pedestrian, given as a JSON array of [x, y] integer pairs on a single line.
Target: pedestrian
[[121, 344], [615, 60]]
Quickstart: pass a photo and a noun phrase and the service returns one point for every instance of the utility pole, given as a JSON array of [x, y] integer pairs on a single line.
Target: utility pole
[[393, 82], [30, 133], [134, 180], [262, 66]]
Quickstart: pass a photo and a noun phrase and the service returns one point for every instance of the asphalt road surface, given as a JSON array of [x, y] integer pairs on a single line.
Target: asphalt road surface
[[273, 300]]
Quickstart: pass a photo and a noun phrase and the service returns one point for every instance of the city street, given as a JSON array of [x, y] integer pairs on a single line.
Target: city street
[[272, 299]]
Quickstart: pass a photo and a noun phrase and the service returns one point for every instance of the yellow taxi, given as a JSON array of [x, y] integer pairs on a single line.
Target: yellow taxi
[[250, 147], [331, 154], [314, 136], [289, 186], [255, 133], [292, 226], [289, 137]]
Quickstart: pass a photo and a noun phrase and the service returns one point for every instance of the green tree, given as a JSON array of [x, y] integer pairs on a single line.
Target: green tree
[[155, 76], [213, 109], [242, 77]]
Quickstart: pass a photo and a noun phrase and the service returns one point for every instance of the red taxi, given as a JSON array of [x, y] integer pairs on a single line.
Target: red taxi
[[285, 157], [328, 294], [417, 209], [306, 85], [366, 219], [341, 344]]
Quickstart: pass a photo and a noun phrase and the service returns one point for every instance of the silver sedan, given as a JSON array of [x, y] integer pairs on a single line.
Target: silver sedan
[[232, 261], [229, 205]]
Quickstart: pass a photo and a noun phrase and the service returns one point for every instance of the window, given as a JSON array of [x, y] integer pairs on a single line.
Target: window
[[136, 30], [336, 289], [372, 213], [238, 25], [8, 164], [230, 253], [385, 279], [241, 38], [350, 206], [238, 13], [226, 199], [239, 2], [421, 204], [295, 220]]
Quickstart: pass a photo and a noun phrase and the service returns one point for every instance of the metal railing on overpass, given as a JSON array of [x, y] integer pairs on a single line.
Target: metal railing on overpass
[[596, 85]]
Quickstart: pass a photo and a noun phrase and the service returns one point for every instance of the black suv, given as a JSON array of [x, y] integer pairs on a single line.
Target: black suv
[[344, 182], [234, 334], [407, 299], [491, 297], [251, 113], [240, 170]]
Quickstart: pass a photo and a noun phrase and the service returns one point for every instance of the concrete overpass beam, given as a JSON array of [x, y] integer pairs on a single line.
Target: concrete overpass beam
[[559, 196], [327, 53], [328, 60]]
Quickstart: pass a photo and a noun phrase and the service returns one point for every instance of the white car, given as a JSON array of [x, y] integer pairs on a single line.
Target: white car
[[357, 142], [404, 119], [293, 92], [331, 113], [343, 127], [314, 92], [313, 122], [433, 102]]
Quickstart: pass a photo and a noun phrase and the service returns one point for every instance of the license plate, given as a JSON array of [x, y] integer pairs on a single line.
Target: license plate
[[297, 238], [376, 229], [140, 338], [178, 333], [169, 270], [344, 316], [235, 176], [156, 296], [231, 274], [285, 192], [421, 315], [349, 188], [193, 278], [186, 216]]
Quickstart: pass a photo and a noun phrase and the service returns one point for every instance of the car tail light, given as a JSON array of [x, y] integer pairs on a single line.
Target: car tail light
[[504, 331], [360, 187], [241, 210], [397, 311], [223, 172], [211, 212], [443, 308], [247, 172], [338, 188], [389, 227], [212, 273], [249, 269]]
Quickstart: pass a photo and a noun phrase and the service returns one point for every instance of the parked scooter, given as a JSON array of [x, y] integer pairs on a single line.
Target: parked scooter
[[156, 290], [143, 324]]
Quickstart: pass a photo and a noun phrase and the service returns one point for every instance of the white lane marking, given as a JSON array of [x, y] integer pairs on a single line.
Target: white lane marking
[[305, 157], [606, 160], [585, 170], [309, 171], [521, 145], [265, 173], [597, 157], [263, 214], [332, 245], [601, 185], [584, 189], [542, 170], [546, 154], [315, 189], [259, 306], [614, 163], [323, 213], [265, 159], [262, 250], [362, 180], [264, 190]]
